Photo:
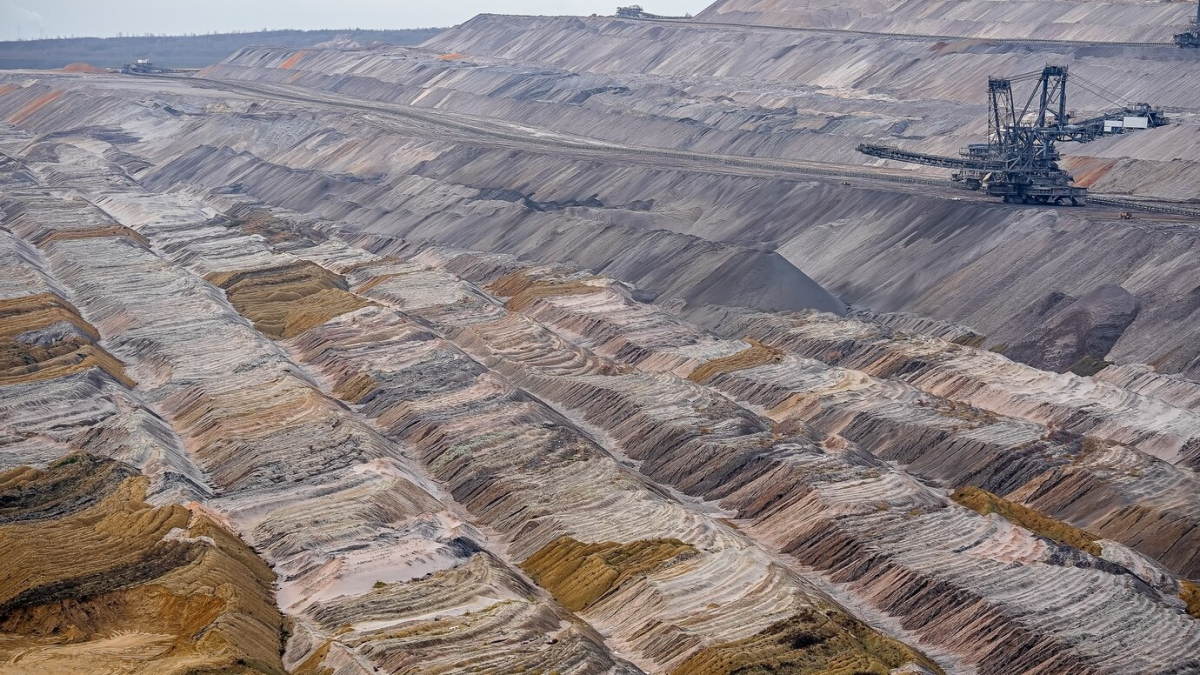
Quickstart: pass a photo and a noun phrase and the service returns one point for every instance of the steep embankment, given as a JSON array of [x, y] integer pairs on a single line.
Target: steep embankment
[[733, 91], [1004, 270], [507, 459], [1112, 21], [845, 235]]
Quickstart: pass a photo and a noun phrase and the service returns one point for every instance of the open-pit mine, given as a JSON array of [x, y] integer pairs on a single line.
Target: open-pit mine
[[587, 345]]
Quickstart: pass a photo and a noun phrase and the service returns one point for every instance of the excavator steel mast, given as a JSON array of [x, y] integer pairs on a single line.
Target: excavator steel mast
[[1191, 38]]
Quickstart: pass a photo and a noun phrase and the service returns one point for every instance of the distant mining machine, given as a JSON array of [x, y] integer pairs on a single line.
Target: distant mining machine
[[1019, 163], [144, 67], [147, 67], [140, 67], [1191, 39], [636, 12]]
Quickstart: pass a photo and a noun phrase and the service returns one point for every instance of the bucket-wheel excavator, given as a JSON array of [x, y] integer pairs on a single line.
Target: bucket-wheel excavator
[[1019, 163]]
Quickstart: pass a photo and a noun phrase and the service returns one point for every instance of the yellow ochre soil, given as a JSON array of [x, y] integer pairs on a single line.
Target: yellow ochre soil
[[523, 290], [809, 643], [579, 574], [96, 580], [286, 301], [22, 360], [1190, 593], [757, 354], [1033, 520]]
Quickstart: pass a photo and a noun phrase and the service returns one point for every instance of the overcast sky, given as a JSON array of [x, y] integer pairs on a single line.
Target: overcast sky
[[105, 18]]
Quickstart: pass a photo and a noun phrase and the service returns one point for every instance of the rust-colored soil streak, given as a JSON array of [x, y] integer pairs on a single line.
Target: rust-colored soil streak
[[292, 60], [85, 68], [108, 231], [1089, 170], [29, 110]]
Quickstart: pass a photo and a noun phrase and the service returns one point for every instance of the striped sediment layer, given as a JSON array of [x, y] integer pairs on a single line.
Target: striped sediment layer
[[696, 86], [947, 440], [402, 359], [498, 452], [520, 468], [945, 435], [504, 350], [441, 621], [61, 391], [683, 436]]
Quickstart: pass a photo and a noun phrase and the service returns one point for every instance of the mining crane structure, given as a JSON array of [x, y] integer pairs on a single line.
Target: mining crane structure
[[1019, 163], [633, 12], [1192, 37]]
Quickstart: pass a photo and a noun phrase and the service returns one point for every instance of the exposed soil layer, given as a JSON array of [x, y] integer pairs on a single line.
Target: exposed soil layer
[[756, 354], [286, 301], [985, 502], [806, 644], [378, 563], [579, 574], [100, 581], [85, 68], [767, 94], [44, 337]]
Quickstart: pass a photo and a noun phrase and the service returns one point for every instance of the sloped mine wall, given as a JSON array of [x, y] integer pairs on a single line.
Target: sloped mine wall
[[1136, 21]]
